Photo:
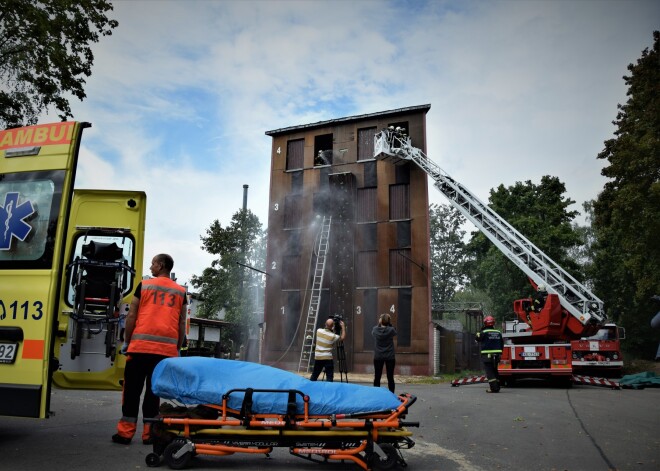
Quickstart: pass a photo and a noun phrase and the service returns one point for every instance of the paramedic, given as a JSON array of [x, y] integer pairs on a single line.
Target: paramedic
[[325, 339], [490, 341], [155, 329], [383, 335]]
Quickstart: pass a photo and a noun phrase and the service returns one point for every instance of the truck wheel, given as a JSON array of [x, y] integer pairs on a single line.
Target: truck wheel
[[176, 462]]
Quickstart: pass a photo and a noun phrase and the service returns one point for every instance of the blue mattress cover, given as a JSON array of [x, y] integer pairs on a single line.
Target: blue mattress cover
[[201, 380]]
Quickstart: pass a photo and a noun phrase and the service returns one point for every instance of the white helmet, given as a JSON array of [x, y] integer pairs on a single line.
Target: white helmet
[[541, 289]]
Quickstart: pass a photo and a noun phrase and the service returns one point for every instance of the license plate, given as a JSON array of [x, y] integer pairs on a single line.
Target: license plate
[[8, 352], [530, 354]]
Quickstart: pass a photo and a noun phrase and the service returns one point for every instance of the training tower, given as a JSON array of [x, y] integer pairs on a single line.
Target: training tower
[[348, 235]]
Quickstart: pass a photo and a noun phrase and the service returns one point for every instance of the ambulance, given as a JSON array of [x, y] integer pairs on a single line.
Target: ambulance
[[69, 261]]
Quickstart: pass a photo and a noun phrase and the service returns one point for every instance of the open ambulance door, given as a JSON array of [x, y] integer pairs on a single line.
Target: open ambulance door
[[103, 257]]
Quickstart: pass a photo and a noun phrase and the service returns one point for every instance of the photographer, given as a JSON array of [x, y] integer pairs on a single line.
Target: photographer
[[325, 339], [384, 334]]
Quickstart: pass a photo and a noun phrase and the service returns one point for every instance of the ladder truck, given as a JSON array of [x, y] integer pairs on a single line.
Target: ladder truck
[[553, 341]]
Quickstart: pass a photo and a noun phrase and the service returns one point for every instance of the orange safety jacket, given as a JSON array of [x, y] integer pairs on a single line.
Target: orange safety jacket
[[157, 325]]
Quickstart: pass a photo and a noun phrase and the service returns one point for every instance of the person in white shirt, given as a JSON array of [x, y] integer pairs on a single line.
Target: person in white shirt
[[325, 340]]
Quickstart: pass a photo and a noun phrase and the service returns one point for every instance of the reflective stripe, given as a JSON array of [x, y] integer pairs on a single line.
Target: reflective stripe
[[154, 338], [164, 289], [491, 351], [324, 341], [158, 318]]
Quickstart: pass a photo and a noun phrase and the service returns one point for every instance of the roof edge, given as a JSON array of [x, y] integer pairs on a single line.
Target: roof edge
[[361, 117]]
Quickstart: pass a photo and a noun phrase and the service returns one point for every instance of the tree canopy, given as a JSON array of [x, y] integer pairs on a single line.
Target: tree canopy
[[228, 284], [627, 211], [540, 212], [45, 55], [447, 252]]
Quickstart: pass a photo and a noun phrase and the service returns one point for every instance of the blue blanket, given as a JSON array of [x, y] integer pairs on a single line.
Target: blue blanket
[[200, 380]]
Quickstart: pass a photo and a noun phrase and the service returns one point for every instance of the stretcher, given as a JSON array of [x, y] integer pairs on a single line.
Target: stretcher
[[255, 421]]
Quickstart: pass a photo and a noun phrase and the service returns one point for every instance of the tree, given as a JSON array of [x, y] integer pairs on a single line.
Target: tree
[[447, 252], [540, 213], [627, 211], [583, 254], [45, 54], [228, 284]]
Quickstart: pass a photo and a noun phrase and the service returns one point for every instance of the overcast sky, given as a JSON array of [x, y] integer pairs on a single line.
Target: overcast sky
[[183, 92]]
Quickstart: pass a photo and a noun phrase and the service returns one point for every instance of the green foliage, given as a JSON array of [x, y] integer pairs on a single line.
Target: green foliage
[[228, 283], [540, 213], [45, 54], [627, 212], [447, 252], [583, 254]]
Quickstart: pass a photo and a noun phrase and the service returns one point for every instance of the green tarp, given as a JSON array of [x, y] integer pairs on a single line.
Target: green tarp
[[640, 380]]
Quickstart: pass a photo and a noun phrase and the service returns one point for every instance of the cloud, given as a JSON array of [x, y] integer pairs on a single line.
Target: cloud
[[183, 92]]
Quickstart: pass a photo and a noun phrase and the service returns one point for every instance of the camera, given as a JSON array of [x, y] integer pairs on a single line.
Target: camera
[[337, 319]]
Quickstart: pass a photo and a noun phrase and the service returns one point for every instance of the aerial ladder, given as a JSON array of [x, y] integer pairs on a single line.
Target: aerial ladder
[[548, 342], [392, 144], [315, 297]]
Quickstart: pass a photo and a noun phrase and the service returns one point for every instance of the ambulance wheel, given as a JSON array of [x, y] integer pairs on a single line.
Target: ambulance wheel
[[390, 460], [152, 460], [176, 463]]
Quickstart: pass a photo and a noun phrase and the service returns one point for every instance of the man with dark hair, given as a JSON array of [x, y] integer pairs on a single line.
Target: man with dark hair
[[384, 353], [155, 329]]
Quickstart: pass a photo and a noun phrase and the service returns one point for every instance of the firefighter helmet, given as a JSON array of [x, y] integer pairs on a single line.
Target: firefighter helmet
[[542, 289], [489, 321]]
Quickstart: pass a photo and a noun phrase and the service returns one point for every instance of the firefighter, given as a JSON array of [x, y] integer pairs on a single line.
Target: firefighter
[[539, 299], [491, 344], [155, 329]]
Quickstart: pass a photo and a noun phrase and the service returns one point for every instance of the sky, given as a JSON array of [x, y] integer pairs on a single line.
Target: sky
[[182, 94]]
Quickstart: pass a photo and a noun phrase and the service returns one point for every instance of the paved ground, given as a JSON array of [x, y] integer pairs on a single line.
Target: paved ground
[[462, 429]]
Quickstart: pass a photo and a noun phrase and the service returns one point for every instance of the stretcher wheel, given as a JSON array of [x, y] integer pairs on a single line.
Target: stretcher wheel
[[390, 460], [173, 462], [152, 460]]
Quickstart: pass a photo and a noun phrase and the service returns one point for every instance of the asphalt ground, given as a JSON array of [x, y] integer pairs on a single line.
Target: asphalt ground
[[530, 427]]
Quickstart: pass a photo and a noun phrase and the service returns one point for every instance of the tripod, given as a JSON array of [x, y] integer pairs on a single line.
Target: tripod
[[341, 361]]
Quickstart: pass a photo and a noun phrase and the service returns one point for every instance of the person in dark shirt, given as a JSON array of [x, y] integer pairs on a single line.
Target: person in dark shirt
[[384, 334]]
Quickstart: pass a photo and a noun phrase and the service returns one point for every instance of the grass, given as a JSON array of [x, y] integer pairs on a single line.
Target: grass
[[634, 366]]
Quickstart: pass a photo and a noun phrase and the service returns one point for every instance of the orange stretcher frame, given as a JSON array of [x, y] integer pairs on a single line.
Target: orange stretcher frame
[[368, 440]]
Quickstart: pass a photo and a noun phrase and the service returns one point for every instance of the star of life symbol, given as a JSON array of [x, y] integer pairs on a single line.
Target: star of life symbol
[[11, 220]]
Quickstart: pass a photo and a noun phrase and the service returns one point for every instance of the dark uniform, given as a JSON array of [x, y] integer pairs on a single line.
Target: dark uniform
[[539, 300], [491, 344]]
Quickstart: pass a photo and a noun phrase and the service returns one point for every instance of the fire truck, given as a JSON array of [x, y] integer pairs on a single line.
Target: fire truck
[[550, 342], [69, 260]]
